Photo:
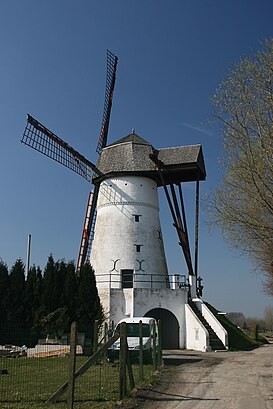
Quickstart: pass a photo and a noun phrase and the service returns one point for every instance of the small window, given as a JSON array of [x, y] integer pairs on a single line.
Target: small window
[[127, 278], [137, 217], [132, 330], [138, 247]]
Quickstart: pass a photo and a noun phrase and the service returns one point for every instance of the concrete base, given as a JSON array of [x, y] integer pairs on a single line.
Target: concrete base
[[137, 302]]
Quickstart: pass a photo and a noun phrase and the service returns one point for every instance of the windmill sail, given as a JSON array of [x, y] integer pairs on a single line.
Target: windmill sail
[[38, 137], [112, 61], [88, 228]]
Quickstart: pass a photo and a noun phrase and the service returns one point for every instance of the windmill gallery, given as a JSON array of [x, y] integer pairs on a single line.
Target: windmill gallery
[[122, 234]]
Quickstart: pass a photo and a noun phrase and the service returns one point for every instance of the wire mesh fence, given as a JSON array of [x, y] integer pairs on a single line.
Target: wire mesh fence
[[31, 376]]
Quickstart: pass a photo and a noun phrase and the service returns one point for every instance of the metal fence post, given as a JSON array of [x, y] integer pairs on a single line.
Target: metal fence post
[[122, 361], [72, 365]]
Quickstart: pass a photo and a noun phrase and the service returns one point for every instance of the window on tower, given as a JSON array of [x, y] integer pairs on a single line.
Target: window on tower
[[138, 247], [137, 217]]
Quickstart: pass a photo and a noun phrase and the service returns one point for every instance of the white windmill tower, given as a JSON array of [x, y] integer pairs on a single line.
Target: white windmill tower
[[128, 252]]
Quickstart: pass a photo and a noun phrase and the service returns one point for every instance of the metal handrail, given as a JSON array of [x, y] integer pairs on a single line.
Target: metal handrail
[[177, 280]]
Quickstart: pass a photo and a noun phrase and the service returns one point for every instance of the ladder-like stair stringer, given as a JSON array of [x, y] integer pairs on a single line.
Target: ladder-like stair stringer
[[214, 340], [87, 237]]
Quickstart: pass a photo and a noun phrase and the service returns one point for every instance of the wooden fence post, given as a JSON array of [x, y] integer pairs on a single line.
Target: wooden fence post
[[106, 332], [154, 347], [140, 368], [72, 365], [95, 337], [122, 361]]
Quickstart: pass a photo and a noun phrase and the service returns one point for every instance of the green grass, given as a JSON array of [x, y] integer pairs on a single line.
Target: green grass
[[31, 381], [237, 339]]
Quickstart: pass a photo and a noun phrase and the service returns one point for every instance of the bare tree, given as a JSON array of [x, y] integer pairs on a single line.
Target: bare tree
[[242, 206], [238, 318], [268, 317]]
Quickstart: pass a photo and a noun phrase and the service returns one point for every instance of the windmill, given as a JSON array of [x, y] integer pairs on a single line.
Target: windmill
[[128, 254], [38, 137], [132, 156]]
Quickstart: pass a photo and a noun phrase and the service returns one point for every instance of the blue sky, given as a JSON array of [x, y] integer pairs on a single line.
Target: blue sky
[[172, 56]]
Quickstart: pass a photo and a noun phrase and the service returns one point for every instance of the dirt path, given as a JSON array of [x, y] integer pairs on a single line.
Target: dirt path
[[227, 380]]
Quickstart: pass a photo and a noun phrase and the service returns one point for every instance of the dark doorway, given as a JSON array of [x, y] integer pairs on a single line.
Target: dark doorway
[[169, 327], [127, 278]]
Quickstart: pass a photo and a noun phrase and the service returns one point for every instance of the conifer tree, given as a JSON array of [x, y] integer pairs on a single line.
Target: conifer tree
[[33, 294], [88, 303], [70, 291], [4, 278], [51, 286], [16, 294]]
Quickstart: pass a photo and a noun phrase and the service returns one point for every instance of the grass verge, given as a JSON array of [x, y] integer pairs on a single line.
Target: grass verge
[[29, 382], [237, 339]]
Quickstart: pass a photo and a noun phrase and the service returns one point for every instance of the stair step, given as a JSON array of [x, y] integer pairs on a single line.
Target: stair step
[[214, 340]]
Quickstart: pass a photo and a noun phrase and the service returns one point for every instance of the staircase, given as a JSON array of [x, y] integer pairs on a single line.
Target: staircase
[[214, 342]]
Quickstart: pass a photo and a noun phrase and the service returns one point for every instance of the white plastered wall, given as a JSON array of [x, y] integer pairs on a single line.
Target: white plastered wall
[[138, 302], [117, 233], [197, 337]]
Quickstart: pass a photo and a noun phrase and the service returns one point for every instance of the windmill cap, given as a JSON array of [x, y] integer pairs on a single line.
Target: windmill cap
[[131, 156], [132, 137]]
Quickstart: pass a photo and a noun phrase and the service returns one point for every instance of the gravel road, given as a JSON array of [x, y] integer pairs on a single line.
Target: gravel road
[[222, 380]]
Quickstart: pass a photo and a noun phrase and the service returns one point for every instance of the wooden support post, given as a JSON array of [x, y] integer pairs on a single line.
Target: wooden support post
[[96, 335], [140, 368], [196, 227], [106, 332], [159, 353], [154, 347], [105, 337], [129, 368], [122, 361], [72, 365]]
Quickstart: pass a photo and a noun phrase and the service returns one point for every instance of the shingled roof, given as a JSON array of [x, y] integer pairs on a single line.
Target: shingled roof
[[130, 156]]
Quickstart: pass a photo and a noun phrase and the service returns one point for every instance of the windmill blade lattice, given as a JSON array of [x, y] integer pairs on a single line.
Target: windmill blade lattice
[[89, 223], [112, 61], [38, 137]]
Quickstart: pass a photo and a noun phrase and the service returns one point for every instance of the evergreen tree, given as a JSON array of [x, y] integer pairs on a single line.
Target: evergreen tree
[[56, 322], [49, 302], [61, 268], [33, 294], [16, 293], [51, 286], [88, 303], [4, 278], [70, 291]]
